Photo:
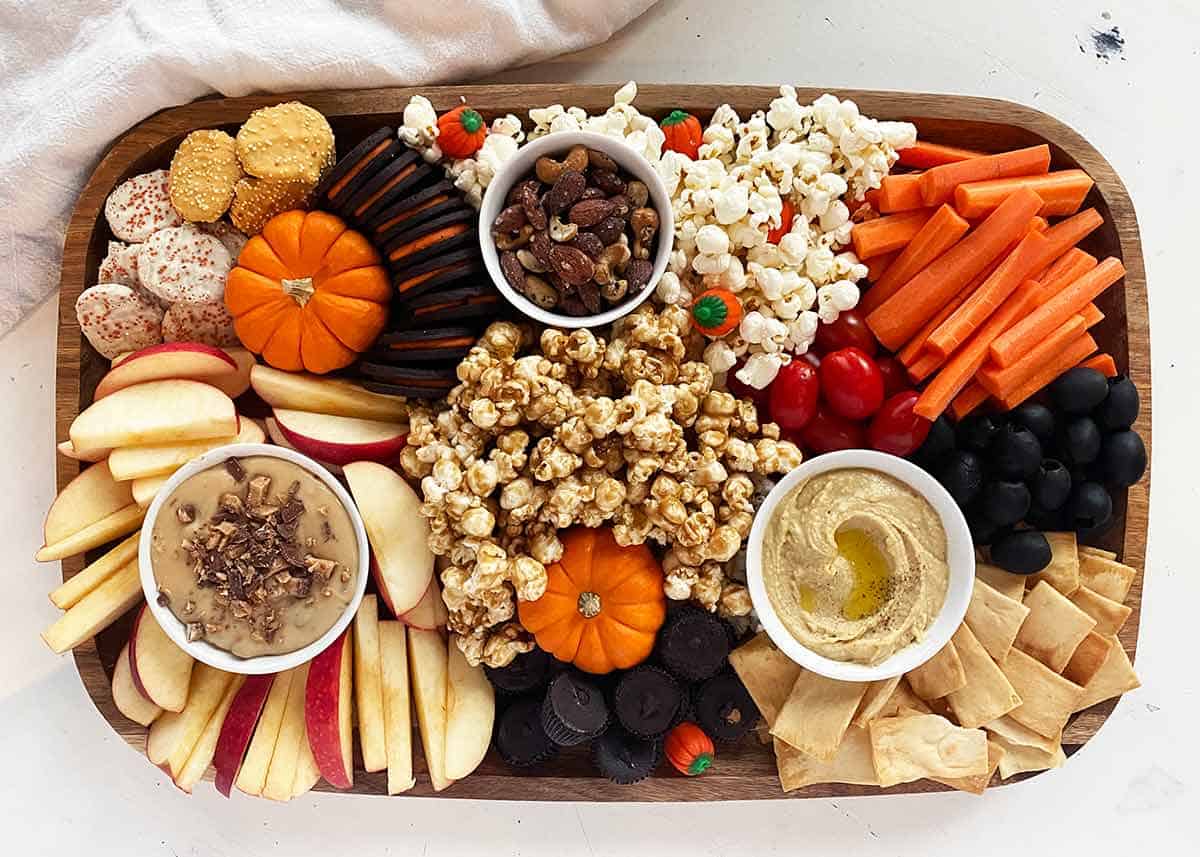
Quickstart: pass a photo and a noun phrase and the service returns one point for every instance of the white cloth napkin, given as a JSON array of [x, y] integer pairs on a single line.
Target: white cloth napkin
[[74, 74]]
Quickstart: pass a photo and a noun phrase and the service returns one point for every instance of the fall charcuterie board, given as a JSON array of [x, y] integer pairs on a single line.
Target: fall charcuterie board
[[747, 770]]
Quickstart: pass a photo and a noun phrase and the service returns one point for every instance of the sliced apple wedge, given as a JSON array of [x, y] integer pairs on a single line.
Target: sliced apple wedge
[[191, 360], [470, 713], [238, 728], [397, 707], [427, 670], [72, 590], [341, 440], [155, 412], [128, 699], [161, 670], [430, 612], [120, 523], [301, 392], [239, 382], [91, 496], [96, 611], [202, 754], [391, 511], [68, 450], [307, 772], [252, 775], [279, 439], [138, 462], [282, 773], [328, 712], [368, 693], [147, 488], [174, 734]]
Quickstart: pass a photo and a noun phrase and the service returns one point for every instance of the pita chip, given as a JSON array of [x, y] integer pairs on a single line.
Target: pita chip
[[988, 693], [1054, 627], [816, 714], [876, 698], [995, 618], [1020, 759], [926, 745], [1115, 677], [977, 784], [1063, 571], [1087, 660], [1047, 699], [1014, 733], [1107, 577], [1088, 550], [767, 673], [852, 763], [1004, 582], [1108, 614], [940, 675]]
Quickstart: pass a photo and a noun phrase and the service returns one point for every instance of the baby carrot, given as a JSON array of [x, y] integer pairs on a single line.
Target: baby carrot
[[1062, 192], [1000, 382], [972, 396], [1068, 268], [900, 193], [938, 184], [1064, 360], [877, 266], [937, 236], [1102, 363], [885, 234], [923, 155]]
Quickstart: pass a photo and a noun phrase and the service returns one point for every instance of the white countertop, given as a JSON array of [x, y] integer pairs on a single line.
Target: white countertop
[[70, 783]]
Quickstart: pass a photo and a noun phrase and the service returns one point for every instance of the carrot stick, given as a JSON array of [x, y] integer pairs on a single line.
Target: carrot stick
[[1102, 363], [1042, 321], [1062, 192], [924, 155], [871, 198], [877, 266], [1014, 270], [900, 193], [1001, 382], [962, 366], [1068, 268], [1091, 315], [1067, 233], [938, 184], [926, 365], [901, 315], [915, 348], [885, 234], [1064, 360], [937, 236], [968, 400]]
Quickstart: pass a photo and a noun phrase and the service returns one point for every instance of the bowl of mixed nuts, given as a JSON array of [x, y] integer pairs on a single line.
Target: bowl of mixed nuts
[[576, 229]]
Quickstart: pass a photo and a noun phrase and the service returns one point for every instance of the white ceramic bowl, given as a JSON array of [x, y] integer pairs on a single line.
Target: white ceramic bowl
[[521, 165], [960, 554], [206, 652]]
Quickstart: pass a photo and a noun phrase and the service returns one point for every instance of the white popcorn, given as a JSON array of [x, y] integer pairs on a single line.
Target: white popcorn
[[733, 202], [836, 298], [712, 240], [670, 290], [419, 129], [719, 356], [626, 93], [759, 370], [753, 327]]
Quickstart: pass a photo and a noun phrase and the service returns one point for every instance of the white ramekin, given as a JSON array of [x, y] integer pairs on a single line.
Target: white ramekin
[[960, 556], [521, 165], [206, 652]]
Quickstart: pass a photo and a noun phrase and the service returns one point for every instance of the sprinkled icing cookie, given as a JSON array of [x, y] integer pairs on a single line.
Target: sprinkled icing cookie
[[116, 318], [209, 323], [203, 172], [141, 206], [227, 234], [120, 265], [184, 264], [255, 201], [287, 142]]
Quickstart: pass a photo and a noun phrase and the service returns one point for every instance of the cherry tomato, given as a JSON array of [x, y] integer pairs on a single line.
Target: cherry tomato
[[895, 428], [794, 394], [851, 383], [812, 359], [895, 376], [761, 398], [785, 222], [848, 331], [827, 432]]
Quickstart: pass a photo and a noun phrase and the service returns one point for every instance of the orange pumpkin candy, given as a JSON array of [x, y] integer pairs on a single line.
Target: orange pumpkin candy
[[603, 605], [461, 132], [308, 293]]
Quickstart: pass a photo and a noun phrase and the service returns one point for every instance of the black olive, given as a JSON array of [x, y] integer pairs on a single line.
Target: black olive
[[1037, 418], [1123, 457], [1080, 440], [961, 473], [1045, 519], [938, 444], [976, 432], [1021, 552], [1004, 502], [984, 530], [1088, 507], [1120, 409], [1078, 390], [1051, 485], [1015, 452]]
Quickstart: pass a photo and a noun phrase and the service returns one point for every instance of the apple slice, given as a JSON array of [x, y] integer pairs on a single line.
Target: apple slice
[[279, 439], [239, 382], [174, 734], [161, 670], [96, 610], [91, 496], [155, 412], [470, 714], [307, 772], [190, 360], [120, 523], [368, 694], [397, 710], [73, 589], [303, 392], [341, 440], [128, 699], [202, 754], [282, 773], [427, 669], [401, 562], [252, 775], [147, 488], [68, 450], [238, 728], [137, 462], [328, 714], [430, 613]]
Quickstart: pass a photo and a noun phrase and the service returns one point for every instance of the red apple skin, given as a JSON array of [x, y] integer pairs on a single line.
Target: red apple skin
[[238, 729], [421, 618], [103, 389], [133, 672], [321, 700], [381, 585], [383, 452]]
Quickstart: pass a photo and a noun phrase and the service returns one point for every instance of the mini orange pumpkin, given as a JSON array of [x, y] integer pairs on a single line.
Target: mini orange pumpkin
[[683, 133], [308, 293], [461, 132], [603, 605]]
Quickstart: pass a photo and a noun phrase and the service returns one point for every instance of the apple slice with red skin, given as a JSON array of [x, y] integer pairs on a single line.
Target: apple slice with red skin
[[161, 670], [278, 438], [67, 450], [302, 392], [327, 712], [238, 729], [341, 440], [165, 411], [238, 382], [191, 360], [430, 612], [90, 497], [129, 700]]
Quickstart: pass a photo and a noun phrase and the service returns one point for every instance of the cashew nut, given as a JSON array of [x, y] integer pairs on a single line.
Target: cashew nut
[[530, 262], [513, 240], [638, 193], [540, 292], [611, 262], [644, 222], [548, 170], [615, 290], [560, 231]]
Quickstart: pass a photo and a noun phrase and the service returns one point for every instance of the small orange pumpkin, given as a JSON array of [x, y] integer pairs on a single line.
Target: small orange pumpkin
[[689, 749], [683, 133], [308, 293], [603, 605], [461, 132]]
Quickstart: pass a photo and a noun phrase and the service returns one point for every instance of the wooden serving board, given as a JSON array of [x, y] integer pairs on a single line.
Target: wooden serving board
[[746, 770]]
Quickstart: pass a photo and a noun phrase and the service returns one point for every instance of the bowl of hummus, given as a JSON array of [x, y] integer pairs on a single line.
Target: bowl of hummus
[[253, 558], [860, 565]]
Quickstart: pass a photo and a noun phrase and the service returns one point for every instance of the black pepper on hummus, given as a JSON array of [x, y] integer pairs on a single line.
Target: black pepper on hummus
[[855, 564]]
